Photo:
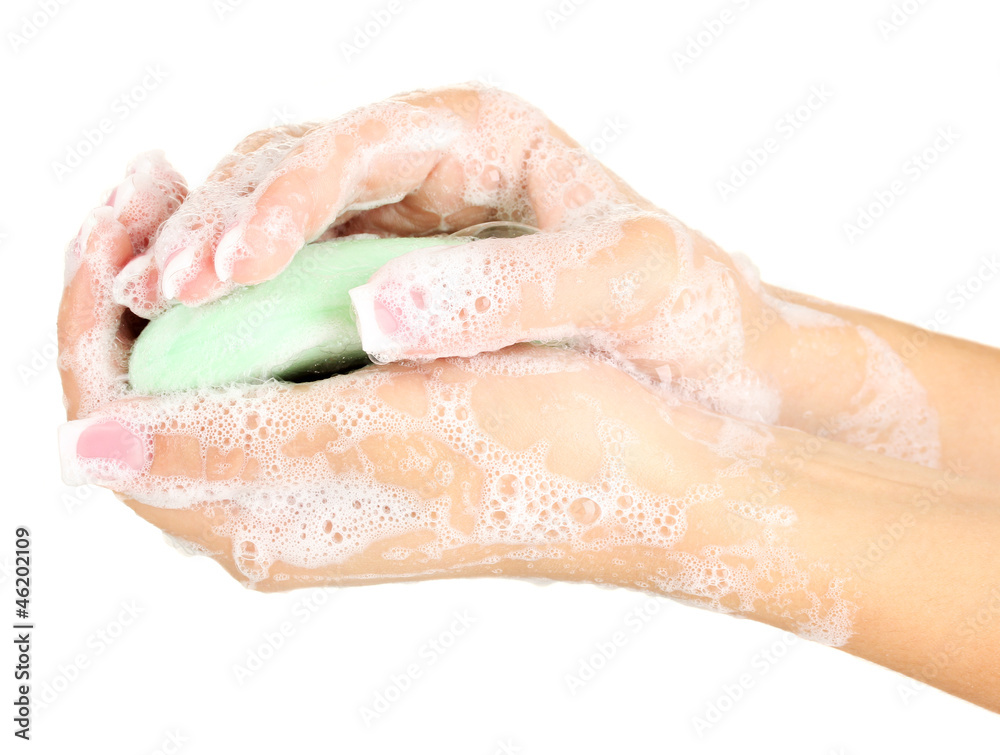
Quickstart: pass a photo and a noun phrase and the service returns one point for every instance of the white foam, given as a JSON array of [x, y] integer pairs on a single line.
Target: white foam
[[674, 316], [315, 509]]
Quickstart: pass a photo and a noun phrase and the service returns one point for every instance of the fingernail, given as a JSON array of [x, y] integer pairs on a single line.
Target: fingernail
[[174, 270], [121, 194], [664, 373], [375, 323], [147, 162], [128, 188], [98, 450], [95, 216], [225, 252], [123, 288]]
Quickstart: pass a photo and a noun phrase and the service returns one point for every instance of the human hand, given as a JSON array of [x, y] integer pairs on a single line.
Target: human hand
[[608, 271], [725, 513], [94, 332], [608, 265], [543, 462], [534, 461]]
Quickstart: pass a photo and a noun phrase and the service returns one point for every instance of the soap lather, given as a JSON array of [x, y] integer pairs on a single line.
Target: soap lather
[[297, 327]]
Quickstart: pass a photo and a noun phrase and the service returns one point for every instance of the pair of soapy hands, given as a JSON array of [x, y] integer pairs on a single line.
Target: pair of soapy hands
[[658, 312]]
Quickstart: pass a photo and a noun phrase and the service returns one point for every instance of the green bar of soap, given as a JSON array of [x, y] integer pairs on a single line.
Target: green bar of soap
[[297, 326]]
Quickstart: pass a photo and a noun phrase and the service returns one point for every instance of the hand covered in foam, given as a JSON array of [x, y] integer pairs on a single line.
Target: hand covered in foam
[[608, 266], [608, 271], [536, 461], [533, 461], [95, 333]]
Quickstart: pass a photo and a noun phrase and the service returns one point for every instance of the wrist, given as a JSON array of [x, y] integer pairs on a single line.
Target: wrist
[[841, 375], [816, 362]]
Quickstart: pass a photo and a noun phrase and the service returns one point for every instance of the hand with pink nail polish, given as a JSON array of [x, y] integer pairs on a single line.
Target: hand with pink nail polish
[[528, 461], [534, 461], [608, 267], [609, 271]]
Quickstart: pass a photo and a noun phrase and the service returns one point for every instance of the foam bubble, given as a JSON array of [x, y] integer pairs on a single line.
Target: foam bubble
[[308, 476]]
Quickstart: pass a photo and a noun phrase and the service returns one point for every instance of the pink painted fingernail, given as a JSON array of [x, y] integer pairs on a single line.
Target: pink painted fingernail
[[375, 322], [95, 216], [98, 440], [383, 317], [175, 272], [127, 285], [225, 252], [147, 162], [127, 189]]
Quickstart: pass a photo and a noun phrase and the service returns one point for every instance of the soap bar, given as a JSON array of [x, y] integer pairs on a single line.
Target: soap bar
[[297, 326]]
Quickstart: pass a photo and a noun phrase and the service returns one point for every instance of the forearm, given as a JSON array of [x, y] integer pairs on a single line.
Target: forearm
[[919, 547], [890, 561], [825, 375]]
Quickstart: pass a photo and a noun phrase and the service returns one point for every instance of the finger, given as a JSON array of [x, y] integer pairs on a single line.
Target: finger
[[450, 157], [209, 444], [92, 356], [373, 156], [511, 164], [151, 193], [274, 191], [314, 475], [488, 294], [93, 334], [276, 463], [418, 214], [142, 206], [191, 226], [139, 285]]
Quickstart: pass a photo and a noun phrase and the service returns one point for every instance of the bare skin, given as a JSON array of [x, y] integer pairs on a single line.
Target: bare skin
[[439, 160], [825, 571]]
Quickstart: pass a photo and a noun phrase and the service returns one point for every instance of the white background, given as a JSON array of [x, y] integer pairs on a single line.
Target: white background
[[502, 685]]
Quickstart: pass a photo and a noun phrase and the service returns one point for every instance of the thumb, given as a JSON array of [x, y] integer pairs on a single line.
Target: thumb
[[489, 294]]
